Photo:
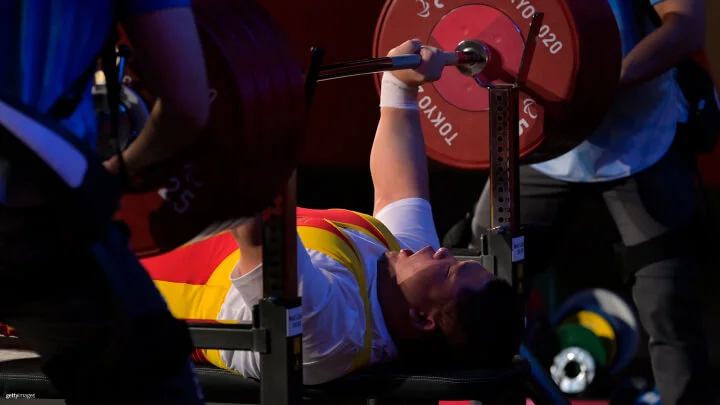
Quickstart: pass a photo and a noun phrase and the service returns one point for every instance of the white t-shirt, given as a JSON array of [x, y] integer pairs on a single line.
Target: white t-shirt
[[333, 312], [639, 127]]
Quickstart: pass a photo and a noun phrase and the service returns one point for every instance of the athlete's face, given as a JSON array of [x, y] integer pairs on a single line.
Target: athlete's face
[[430, 279]]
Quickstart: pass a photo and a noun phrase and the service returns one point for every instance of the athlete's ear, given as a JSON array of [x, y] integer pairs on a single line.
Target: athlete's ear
[[422, 321]]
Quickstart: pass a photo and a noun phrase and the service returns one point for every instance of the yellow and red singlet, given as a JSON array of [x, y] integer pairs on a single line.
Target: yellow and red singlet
[[195, 279]]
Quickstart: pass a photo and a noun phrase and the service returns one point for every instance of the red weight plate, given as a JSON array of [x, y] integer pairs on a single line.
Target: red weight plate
[[455, 109], [226, 196], [253, 55], [288, 112], [265, 146], [179, 210], [227, 175]]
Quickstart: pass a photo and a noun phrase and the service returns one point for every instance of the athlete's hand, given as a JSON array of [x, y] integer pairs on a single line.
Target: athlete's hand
[[112, 165], [434, 61]]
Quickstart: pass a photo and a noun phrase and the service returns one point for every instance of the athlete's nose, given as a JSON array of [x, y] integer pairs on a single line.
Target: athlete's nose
[[441, 253], [406, 252]]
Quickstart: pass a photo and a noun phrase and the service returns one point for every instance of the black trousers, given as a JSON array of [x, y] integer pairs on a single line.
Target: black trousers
[[652, 204], [93, 314]]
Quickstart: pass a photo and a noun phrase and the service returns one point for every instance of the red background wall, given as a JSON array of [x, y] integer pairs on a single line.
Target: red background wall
[[344, 114]]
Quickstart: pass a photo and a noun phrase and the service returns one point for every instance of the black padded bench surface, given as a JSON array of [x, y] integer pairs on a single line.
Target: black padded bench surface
[[391, 381]]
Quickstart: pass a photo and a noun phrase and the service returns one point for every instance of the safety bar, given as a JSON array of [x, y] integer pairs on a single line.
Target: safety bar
[[222, 336], [205, 335]]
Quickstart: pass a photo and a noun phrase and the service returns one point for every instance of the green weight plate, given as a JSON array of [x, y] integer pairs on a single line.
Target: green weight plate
[[574, 335]]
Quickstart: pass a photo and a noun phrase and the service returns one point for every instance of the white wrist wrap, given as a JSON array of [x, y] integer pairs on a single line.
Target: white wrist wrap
[[396, 94]]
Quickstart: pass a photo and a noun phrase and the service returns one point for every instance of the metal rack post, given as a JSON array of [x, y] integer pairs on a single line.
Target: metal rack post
[[279, 313], [280, 310], [506, 244]]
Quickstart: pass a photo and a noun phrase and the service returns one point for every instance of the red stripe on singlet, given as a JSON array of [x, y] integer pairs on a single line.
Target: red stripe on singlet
[[345, 216]]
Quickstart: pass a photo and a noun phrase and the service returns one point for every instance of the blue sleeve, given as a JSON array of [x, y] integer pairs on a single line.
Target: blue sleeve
[[654, 2], [146, 6]]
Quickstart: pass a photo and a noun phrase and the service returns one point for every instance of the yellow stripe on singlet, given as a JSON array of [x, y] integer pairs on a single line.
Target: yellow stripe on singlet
[[346, 253]]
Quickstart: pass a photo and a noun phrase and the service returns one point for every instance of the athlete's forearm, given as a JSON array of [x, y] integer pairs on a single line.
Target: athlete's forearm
[[163, 136], [398, 160], [399, 151], [248, 238]]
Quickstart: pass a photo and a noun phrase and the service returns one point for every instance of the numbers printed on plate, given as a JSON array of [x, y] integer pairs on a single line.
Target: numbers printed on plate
[[546, 35], [182, 191]]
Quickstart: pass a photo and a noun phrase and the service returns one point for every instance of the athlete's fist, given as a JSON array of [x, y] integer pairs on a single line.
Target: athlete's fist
[[434, 61]]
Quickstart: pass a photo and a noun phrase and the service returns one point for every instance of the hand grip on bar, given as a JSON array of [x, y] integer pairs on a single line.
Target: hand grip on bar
[[413, 61], [471, 58]]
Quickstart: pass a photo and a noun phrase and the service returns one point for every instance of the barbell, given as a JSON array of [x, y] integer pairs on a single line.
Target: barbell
[[250, 147], [570, 84], [470, 58]]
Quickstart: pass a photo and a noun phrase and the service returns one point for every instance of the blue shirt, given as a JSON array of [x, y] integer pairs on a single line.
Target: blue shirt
[[47, 44], [637, 130]]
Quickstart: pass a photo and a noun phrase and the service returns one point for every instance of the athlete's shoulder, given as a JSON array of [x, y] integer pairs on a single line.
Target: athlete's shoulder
[[349, 220]]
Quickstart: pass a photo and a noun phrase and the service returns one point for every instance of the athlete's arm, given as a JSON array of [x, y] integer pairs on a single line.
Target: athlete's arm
[[398, 161], [167, 46], [681, 36], [248, 237]]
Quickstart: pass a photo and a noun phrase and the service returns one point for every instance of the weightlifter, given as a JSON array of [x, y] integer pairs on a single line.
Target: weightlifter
[[54, 292], [423, 304], [634, 161]]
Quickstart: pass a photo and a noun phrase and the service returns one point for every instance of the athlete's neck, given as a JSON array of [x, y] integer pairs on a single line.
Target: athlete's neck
[[394, 306]]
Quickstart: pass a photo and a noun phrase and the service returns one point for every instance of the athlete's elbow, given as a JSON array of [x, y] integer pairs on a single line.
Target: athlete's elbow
[[689, 31], [694, 40]]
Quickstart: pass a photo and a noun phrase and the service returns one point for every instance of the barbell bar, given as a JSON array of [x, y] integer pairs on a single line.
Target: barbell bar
[[470, 58]]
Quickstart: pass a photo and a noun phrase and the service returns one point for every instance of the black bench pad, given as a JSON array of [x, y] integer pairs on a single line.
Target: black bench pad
[[390, 381], [396, 381]]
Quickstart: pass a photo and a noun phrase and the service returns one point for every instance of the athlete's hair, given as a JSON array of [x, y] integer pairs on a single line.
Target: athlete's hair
[[481, 328]]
